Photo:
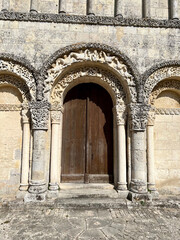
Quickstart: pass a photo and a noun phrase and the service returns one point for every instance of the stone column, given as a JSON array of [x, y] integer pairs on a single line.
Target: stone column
[[39, 115], [25, 151], [34, 6], [139, 116], [173, 9], [55, 145], [121, 145], [62, 6], [146, 8], [5, 5], [90, 7], [118, 10], [150, 151]]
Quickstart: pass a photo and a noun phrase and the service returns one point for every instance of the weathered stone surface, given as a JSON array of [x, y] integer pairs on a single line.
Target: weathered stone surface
[[47, 221]]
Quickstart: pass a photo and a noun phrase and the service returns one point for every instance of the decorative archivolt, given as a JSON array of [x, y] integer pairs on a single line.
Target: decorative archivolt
[[20, 71], [157, 76], [88, 55], [18, 83], [111, 80], [163, 86]]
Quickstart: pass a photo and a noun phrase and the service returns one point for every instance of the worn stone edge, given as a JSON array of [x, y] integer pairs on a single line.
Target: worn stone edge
[[85, 19]]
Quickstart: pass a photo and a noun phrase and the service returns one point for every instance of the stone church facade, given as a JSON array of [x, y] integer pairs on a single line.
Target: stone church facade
[[54, 129]]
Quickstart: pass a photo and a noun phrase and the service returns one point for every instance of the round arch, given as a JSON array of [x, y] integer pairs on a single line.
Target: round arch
[[91, 54], [19, 71], [158, 73]]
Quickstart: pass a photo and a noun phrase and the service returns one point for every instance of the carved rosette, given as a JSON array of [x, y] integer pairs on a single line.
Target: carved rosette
[[120, 113], [139, 116], [40, 114]]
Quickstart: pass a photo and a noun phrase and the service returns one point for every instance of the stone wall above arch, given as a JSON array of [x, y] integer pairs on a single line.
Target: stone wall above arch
[[98, 54]]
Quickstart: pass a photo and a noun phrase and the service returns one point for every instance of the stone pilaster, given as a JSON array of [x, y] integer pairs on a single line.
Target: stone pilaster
[[34, 6], [55, 149], [139, 116], [150, 154], [5, 5], [90, 7], [118, 10], [62, 6], [173, 9], [120, 114], [39, 115], [25, 150], [146, 8]]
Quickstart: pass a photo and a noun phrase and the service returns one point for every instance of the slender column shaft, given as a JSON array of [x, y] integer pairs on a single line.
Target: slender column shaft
[[38, 183], [5, 5], [146, 8], [139, 168], [118, 10], [122, 184], [90, 7], [54, 179], [34, 6], [25, 156], [150, 152], [174, 9], [62, 6]]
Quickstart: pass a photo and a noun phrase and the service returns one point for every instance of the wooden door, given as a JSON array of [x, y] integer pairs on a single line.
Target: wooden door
[[87, 140]]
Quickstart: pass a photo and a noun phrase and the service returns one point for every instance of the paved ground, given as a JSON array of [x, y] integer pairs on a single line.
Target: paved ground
[[50, 222]]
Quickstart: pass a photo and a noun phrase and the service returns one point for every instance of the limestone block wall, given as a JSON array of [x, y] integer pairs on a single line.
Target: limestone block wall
[[167, 153], [158, 9], [10, 143], [31, 40]]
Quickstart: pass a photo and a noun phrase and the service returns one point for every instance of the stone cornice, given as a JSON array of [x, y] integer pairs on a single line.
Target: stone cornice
[[95, 20]]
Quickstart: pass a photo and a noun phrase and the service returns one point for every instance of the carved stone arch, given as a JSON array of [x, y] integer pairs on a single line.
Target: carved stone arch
[[98, 54], [18, 83], [152, 78], [19, 71], [106, 79], [173, 85]]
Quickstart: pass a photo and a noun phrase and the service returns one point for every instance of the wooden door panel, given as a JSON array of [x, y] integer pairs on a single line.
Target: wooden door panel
[[100, 138], [74, 135], [87, 148]]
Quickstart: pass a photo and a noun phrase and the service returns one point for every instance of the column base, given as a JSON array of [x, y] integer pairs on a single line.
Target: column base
[[33, 11], [54, 187], [121, 186], [34, 197], [138, 186], [23, 187], [140, 197], [62, 12], [91, 14], [37, 187]]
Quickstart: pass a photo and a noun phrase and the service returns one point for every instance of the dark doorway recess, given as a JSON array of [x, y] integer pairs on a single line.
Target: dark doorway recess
[[87, 140]]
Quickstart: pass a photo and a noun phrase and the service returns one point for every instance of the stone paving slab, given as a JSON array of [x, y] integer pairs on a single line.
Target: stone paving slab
[[34, 222]]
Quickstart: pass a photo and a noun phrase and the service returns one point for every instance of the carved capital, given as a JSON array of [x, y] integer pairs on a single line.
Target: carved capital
[[151, 118], [40, 114], [120, 113], [139, 116], [55, 116]]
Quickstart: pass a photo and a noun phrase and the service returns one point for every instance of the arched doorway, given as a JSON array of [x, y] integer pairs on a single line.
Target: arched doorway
[[87, 140]]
